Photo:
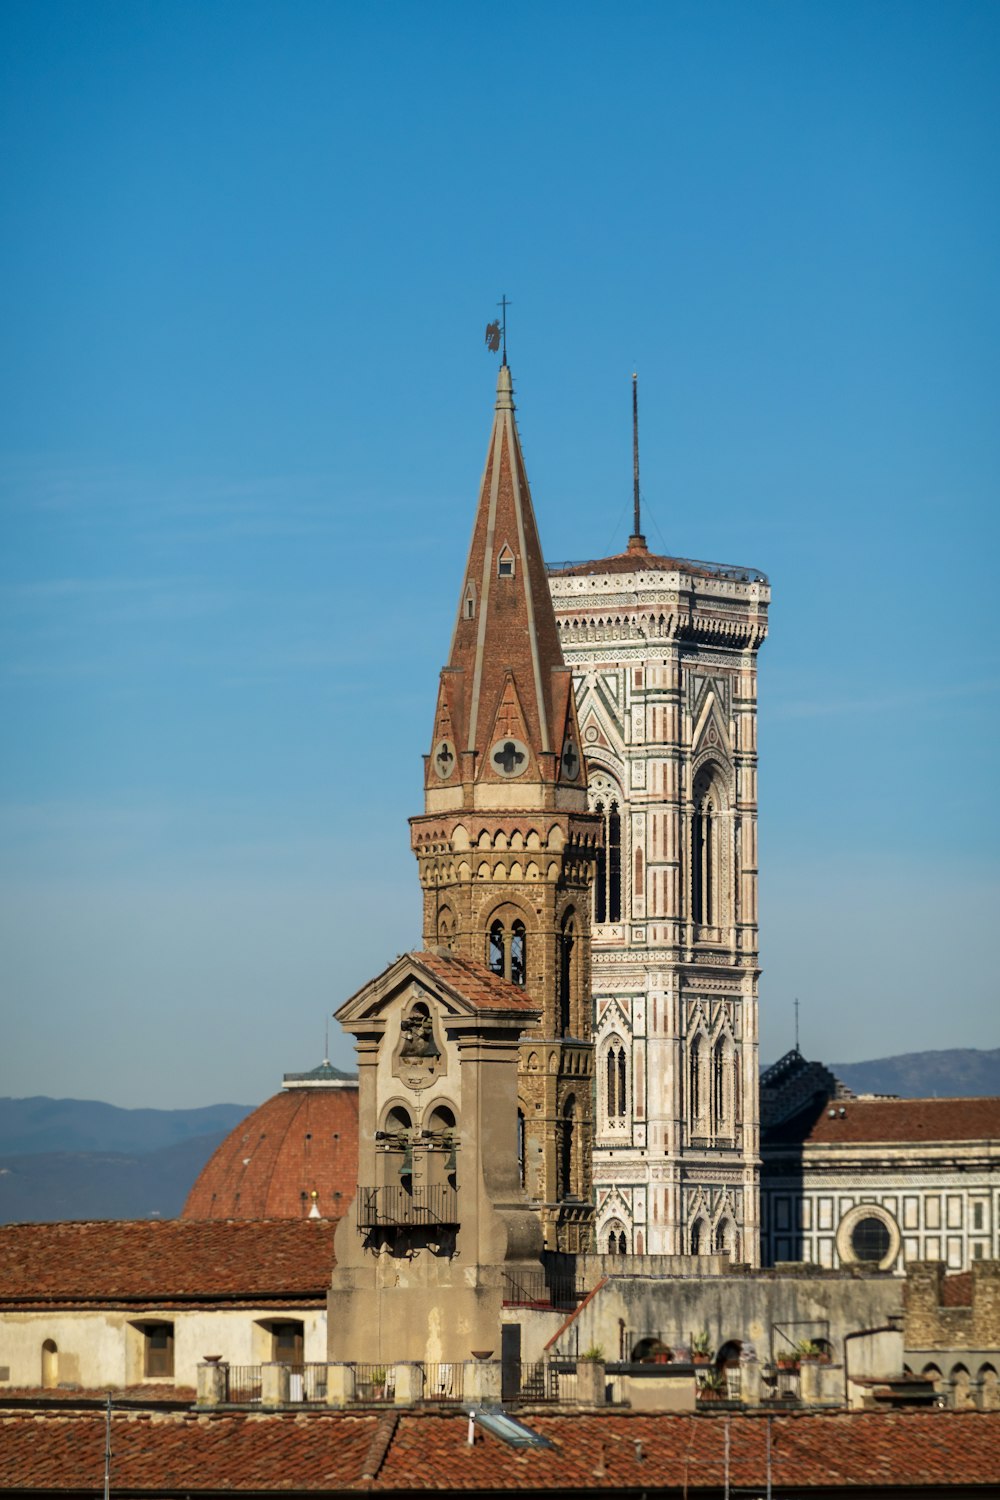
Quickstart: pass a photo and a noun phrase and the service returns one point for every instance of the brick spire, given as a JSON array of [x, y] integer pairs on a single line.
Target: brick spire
[[505, 707]]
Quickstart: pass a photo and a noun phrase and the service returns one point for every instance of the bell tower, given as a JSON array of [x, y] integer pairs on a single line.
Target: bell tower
[[506, 846]]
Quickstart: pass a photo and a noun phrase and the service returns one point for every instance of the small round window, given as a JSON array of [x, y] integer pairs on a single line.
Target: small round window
[[868, 1236], [870, 1240]]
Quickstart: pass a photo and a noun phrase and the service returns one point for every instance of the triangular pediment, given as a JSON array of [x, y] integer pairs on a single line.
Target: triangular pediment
[[455, 986], [711, 732], [508, 753]]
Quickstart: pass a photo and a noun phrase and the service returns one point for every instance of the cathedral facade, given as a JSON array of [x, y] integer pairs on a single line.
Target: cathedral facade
[[664, 657]]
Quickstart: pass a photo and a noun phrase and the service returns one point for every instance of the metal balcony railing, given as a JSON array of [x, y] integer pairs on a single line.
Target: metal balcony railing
[[400, 1207]]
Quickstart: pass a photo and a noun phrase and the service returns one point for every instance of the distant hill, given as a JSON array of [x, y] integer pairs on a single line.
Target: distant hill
[[959, 1072], [81, 1159], [46, 1185], [45, 1125]]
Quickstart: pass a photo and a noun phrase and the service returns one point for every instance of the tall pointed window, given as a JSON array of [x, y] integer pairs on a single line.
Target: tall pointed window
[[705, 850], [694, 1078], [567, 1148], [518, 954], [616, 1081], [608, 878], [567, 965], [521, 1152], [719, 1110], [507, 951]]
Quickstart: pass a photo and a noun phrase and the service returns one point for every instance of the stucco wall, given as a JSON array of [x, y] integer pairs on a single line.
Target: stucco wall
[[100, 1349], [769, 1312]]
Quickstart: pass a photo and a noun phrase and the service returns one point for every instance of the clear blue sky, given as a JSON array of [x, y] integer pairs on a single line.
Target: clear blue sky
[[249, 253]]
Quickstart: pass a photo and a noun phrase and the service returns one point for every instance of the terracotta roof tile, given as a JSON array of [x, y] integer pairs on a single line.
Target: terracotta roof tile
[[910, 1120], [110, 1261], [636, 560], [478, 984], [607, 1452]]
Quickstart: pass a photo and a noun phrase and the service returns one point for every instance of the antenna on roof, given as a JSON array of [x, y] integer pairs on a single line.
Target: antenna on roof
[[797, 1024], [326, 1043], [636, 542]]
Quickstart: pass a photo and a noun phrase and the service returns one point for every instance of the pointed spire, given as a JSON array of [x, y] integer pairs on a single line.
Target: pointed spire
[[636, 542], [502, 710]]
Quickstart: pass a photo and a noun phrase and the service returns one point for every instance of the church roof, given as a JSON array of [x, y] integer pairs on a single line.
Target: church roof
[[163, 1261], [506, 682], [856, 1121], [297, 1150], [475, 987], [639, 559], [483, 989]]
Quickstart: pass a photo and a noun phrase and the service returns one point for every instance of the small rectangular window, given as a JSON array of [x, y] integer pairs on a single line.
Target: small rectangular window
[[505, 567], [159, 1350], [287, 1343]]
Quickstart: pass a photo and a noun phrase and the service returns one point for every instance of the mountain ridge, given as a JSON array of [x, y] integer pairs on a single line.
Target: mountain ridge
[[80, 1158]]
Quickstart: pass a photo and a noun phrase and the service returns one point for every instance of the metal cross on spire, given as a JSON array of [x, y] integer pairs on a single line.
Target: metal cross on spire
[[503, 305], [496, 332]]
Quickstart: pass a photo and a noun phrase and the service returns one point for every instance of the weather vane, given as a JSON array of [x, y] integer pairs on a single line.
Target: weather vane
[[496, 332]]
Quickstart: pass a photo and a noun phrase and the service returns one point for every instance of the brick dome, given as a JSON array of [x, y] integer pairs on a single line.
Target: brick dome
[[294, 1156]]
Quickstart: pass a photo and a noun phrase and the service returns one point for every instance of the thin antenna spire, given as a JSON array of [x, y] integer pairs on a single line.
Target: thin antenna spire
[[503, 304], [326, 1041], [796, 1023], [636, 542], [636, 528]]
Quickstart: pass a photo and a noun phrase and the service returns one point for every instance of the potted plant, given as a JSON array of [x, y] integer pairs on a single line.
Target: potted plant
[[378, 1382], [594, 1355], [788, 1359], [811, 1351], [712, 1385], [701, 1348]]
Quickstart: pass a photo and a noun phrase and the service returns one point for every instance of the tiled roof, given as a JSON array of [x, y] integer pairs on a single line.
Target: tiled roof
[[607, 1452], [164, 1260], [635, 560], [910, 1120], [478, 985], [303, 1141]]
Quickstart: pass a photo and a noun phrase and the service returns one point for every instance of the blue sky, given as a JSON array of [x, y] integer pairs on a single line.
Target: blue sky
[[249, 253]]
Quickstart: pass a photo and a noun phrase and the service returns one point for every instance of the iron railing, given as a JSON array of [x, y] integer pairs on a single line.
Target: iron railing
[[734, 572], [374, 1382], [444, 1382], [396, 1207], [243, 1384], [538, 1289]]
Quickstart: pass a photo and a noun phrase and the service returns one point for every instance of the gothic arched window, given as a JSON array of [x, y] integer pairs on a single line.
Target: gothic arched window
[[616, 1081], [694, 1078], [521, 1153], [705, 850], [608, 879], [507, 952], [719, 1111], [518, 954], [617, 1238], [700, 1243], [567, 944], [567, 1143], [725, 1238]]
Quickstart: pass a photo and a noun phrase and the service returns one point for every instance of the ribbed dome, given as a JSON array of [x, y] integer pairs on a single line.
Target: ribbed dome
[[295, 1155]]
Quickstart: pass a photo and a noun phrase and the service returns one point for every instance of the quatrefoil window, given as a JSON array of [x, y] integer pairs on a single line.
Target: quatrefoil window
[[509, 757], [570, 761], [444, 759]]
